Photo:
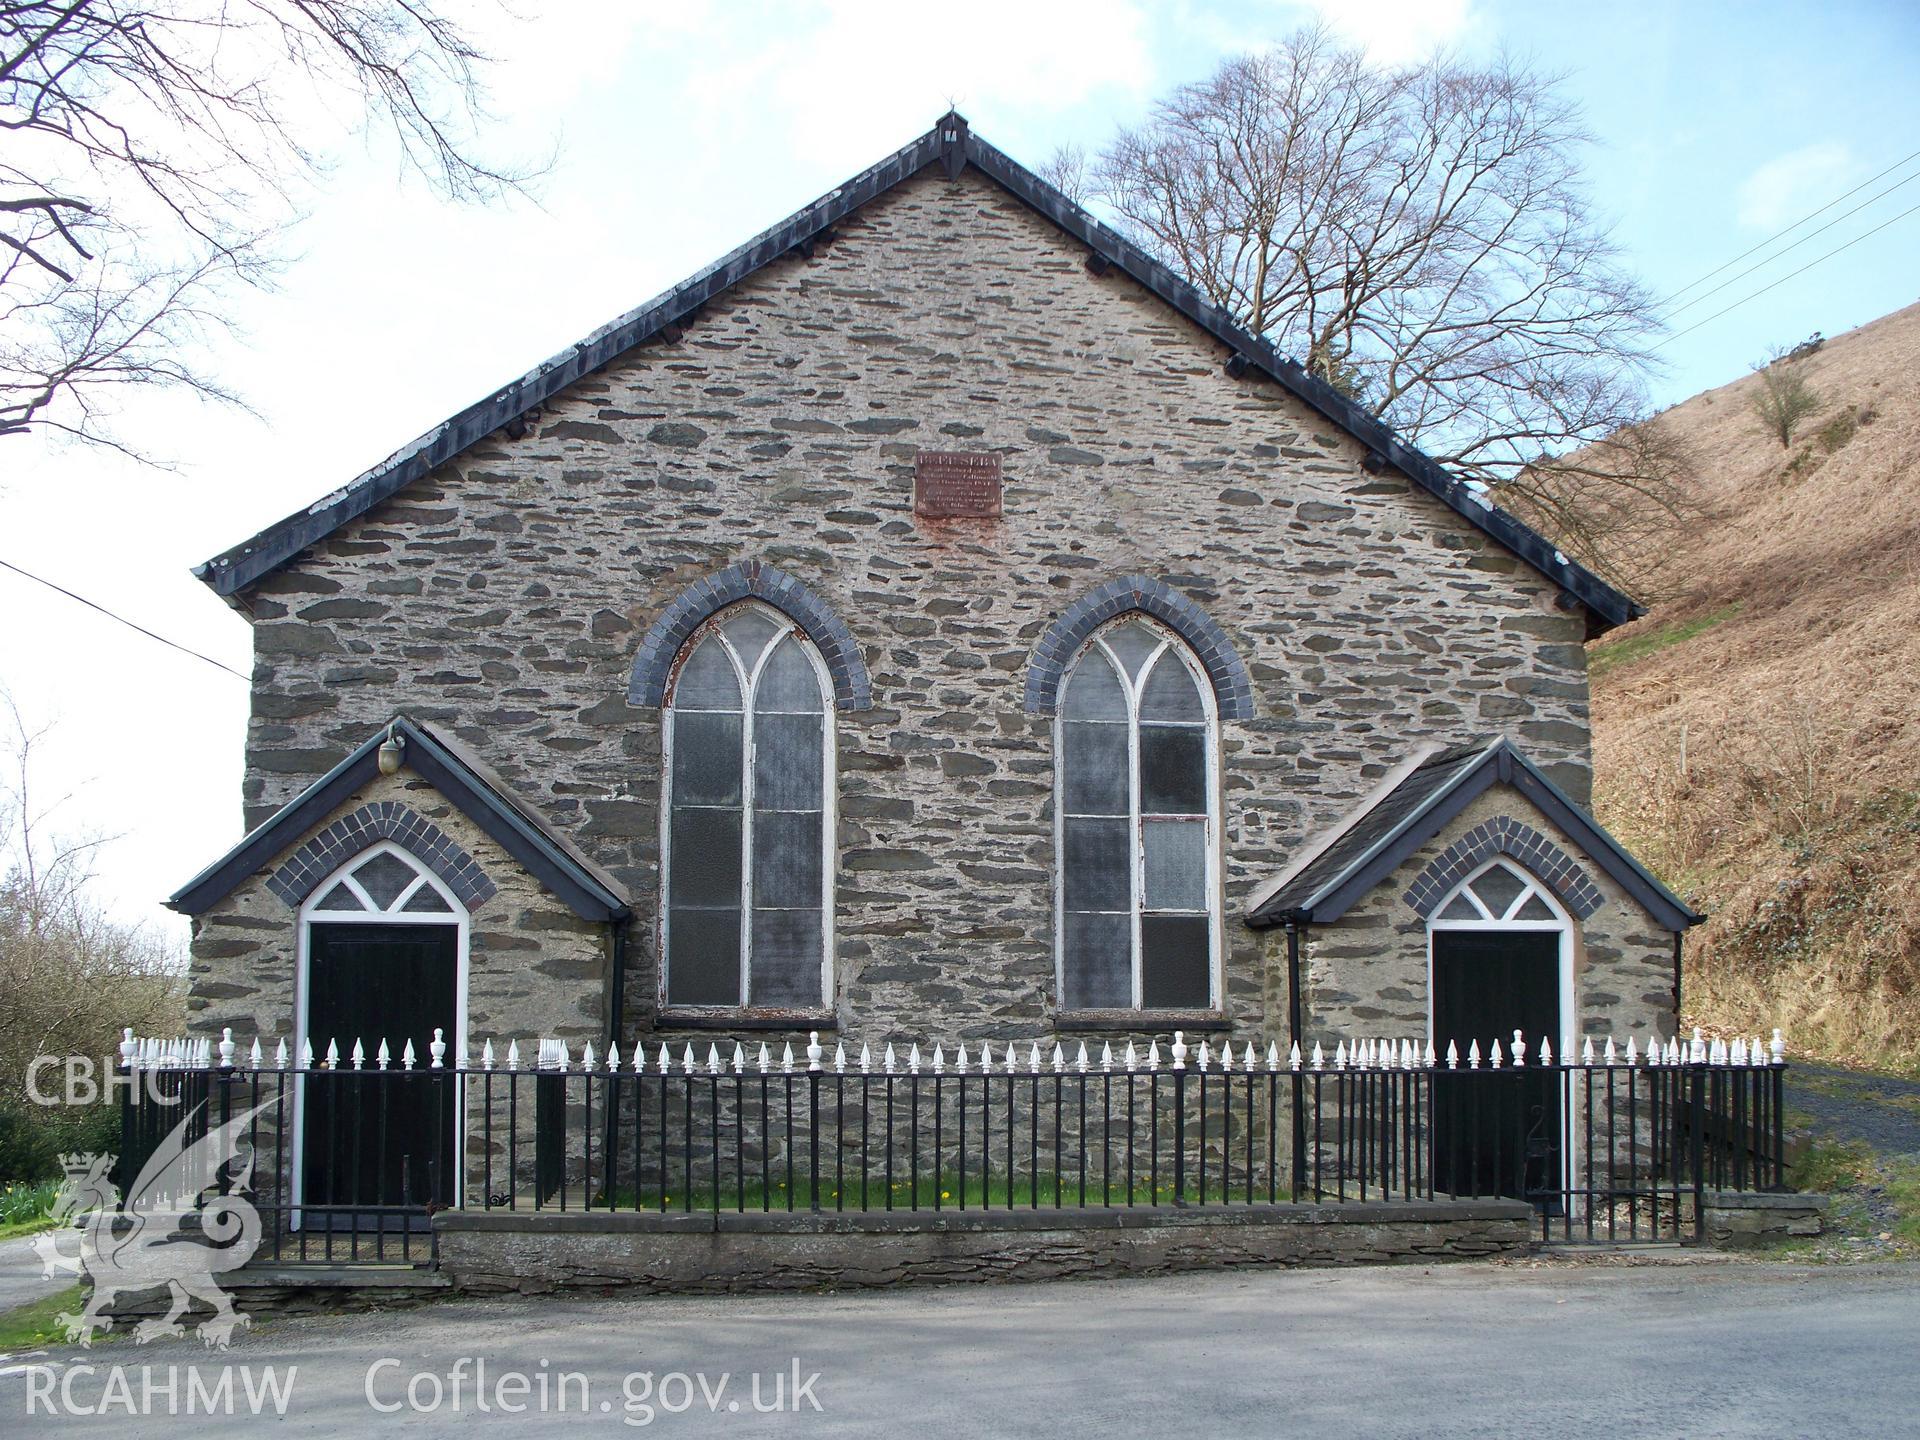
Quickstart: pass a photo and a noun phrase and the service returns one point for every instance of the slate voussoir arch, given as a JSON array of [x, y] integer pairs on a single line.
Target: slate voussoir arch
[[366, 827], [1232, 688], [1503, 835], [755, 580]]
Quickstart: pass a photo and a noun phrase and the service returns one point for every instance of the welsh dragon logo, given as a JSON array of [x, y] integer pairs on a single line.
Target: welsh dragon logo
[[170, 1233]]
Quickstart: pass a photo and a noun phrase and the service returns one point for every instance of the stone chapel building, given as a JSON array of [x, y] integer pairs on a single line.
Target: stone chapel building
[[934, 620]]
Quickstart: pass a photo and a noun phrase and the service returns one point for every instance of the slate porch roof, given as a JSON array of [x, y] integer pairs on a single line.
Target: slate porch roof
[[952, 145], [1411, 807], [462, 779]]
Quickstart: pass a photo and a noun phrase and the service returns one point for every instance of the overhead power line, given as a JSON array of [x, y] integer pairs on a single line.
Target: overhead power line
[[1814, 214], [1761, 265], [1786, 277], [91, 605]]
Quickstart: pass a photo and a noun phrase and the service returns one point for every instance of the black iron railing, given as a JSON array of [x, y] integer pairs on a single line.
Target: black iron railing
[[350, 1157]]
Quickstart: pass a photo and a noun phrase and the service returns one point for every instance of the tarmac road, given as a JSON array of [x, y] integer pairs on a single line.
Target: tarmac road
[[1713, 1348]]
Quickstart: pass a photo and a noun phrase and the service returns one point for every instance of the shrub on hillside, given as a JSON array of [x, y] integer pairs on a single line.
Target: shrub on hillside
[[1784, 399]]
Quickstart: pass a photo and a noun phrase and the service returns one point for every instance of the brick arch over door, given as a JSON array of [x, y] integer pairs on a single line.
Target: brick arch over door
[[1232, 688], [1503, 835], [366, 827], [750, 579]]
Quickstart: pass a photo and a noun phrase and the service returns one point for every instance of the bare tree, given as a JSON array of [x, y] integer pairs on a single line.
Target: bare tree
[[1420, 238], [1784, 398], [71, 975], [154, 151]]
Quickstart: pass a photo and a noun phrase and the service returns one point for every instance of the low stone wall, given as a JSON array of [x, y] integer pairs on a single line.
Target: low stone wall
[[730, 1252], [1741, 1220]]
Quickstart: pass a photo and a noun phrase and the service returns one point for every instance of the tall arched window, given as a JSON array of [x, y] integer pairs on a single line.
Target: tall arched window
[[748, 845], [1137, 825]]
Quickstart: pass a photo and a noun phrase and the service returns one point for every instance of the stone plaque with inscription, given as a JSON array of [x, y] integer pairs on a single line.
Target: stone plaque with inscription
[[956, 485]]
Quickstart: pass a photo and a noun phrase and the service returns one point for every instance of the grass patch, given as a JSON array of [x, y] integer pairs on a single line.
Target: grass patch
[[1025, 1193], [26, 1207], [1903, 1190], [30, 1326], [1829, 1167], [1616, 653]]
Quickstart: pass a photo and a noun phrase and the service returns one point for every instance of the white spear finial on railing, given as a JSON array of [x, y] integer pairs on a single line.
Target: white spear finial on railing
[[357, 1056], [913, 1058], [1676, 1054], [1340, 1055], [513, 1054], [887, 1060], [1293, 1056], [1610, 1056], [486, 1054], [1717, 1052], [1080, 1060], [866, 1058], [1779, 1049], [1249, 1060], [1453, 1055], [1319, 1056], [1153, 1056], [613, 1057], [1013, 1060], [687, 1063], [713, 1058], [1202, 1055], [1546, 1052], [986, 1056], [839, 1057], [406, 1056], [1106, 1057], [762, 1061], [586, 1058], [960, 1059], [1473, 1054], [939, 1059], [786, 1058], [1757, 1051], [739, 1058], [1737, 1051], [280, 1054], [1059, 1059], [1033, 1059], [306, 1054], [663, 1062], [256, 1057], [1129, 1060]]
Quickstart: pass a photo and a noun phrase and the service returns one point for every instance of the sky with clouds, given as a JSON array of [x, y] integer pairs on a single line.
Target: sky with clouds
[[684, 127]]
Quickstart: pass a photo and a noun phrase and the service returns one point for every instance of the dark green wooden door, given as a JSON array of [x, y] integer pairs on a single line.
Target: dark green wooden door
[[375, 1139], [1496, 1133]]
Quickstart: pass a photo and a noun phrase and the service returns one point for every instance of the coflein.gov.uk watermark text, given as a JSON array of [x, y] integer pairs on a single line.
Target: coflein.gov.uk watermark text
[[469, 1385]]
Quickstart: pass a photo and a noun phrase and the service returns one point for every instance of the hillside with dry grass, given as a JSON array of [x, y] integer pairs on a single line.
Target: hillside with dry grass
[[1757, 736]]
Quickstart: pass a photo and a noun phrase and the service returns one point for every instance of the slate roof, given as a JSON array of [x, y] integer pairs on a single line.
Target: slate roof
[[952, 145], [466, 782], [1383, 830]]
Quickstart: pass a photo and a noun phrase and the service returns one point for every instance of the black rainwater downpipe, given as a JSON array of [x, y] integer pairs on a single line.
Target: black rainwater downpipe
[[1679, 938], [1294, 1028], [616, 1025]]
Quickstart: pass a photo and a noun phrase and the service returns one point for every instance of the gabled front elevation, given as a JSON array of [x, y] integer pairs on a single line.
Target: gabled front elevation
[[934, 616]]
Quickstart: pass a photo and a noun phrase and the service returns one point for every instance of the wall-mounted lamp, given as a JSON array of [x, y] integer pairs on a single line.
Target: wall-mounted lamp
[[393, 754]]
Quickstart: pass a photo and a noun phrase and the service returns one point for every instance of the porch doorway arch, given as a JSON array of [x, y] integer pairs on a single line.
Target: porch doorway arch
[[1499, 961], [383, 954]]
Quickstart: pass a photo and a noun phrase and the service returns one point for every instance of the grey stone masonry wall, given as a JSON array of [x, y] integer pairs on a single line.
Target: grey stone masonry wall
[[1366, 974], [507, 595], [729, 1252], [1745, 1220]]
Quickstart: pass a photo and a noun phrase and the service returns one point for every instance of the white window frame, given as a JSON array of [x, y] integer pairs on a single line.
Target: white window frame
[[1169, 640], [311, 914], [829, 816]]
